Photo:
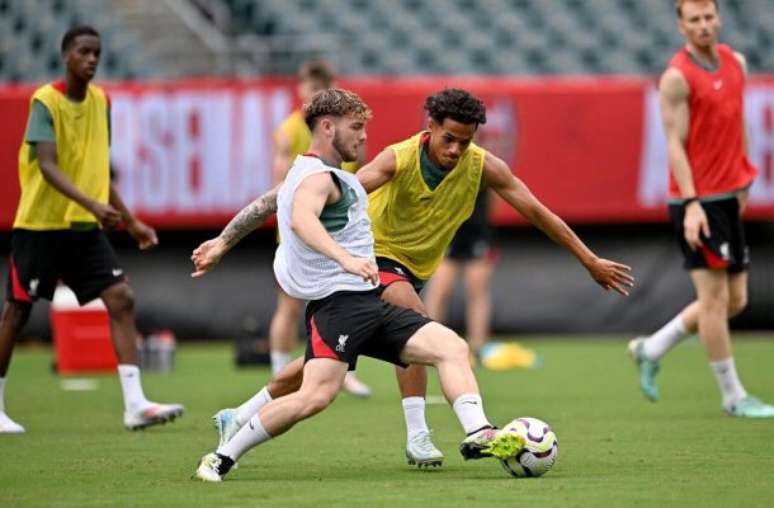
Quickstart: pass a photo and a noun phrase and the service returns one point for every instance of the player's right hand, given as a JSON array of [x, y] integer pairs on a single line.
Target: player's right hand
[[362, 267], [207, 255], [695, 225], [108, 216]]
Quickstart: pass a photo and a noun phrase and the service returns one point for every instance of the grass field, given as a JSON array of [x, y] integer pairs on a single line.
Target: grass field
[[616, 449]]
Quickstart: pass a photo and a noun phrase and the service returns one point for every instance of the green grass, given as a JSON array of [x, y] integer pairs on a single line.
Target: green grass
[[616, 449]]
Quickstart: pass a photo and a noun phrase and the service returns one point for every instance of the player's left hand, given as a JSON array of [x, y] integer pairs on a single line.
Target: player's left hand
[[611, 275], [143, 233]]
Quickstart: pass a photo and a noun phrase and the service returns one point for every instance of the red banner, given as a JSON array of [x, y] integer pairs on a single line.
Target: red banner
[[190, 154]]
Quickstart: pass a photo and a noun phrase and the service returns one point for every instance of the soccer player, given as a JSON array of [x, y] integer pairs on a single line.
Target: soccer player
[[326, 257], [701, 95], [66, 200], [292, 139], [423, 189]]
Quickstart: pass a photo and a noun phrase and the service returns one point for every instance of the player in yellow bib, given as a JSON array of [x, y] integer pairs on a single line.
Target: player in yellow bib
[[422, 190], [292, 139], [66, 198]]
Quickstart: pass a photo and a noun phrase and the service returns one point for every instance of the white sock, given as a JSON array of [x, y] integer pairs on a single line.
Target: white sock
[[664, 339], [131, 386], [279, 360], [470, 412], [414, 412], [252, 406], [730, 387], [2, 395], [250, 435]]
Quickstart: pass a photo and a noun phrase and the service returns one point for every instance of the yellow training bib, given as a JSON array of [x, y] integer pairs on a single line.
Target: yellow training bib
[[414, 225], [83, 154]]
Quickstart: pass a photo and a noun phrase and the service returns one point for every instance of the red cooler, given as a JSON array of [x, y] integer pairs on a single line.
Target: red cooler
[[82, 338]]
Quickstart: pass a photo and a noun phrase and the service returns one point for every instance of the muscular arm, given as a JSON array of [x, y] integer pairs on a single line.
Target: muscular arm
[[308, 202], [209, 253], [249, 218], [377, 172], [675, 114], [498, 176]]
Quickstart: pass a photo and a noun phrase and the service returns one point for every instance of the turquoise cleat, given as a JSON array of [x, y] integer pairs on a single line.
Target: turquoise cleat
[[226, 424], [750, 407], [648, 368]]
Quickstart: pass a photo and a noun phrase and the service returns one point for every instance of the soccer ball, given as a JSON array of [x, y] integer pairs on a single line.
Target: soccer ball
[[539, 453]]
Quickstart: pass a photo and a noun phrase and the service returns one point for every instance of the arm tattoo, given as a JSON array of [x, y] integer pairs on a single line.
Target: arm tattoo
[[249, 218]]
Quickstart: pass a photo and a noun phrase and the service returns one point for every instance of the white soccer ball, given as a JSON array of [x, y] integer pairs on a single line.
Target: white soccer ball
[[539, 453]]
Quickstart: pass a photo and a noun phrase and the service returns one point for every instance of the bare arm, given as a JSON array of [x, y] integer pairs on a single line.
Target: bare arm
[[608, 274], [377, 172], [308, 202], [675, 114], [209, 253], [145, 235], [49, 168]]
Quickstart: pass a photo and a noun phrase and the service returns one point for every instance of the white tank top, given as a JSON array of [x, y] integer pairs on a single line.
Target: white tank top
[[301, 271]]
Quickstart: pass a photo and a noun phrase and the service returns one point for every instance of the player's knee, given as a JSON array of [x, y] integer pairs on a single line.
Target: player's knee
[[736, 304], [455, 349], [119, 299], [316, 402]]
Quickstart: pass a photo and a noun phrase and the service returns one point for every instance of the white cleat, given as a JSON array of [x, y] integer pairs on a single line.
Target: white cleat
[[420, 451], [154, 414], [353, 386], [8, 426], [212, 468]]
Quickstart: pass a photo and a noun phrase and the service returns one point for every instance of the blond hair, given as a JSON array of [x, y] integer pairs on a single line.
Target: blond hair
[[334, 102]]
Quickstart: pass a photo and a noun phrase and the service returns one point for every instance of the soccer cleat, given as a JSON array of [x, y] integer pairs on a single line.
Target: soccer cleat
[[226, 424], [353, 386], [154, 414], [750, 407], [420, 451], [8, 426], [212, 468], [648, 368], [491, 442]]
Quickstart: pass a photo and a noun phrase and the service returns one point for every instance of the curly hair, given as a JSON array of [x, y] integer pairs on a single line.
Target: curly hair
[[459, 105], [334, 102]]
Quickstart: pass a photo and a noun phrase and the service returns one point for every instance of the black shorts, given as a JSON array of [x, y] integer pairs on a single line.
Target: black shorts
[[472, 243], [391, 271], [84, 260], [726, 248], [347, 324]]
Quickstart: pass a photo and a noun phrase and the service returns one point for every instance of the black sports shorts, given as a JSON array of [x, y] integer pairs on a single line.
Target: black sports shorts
[[391, 271], [348, 324], [471, 243], [726, 248], [84, 260]]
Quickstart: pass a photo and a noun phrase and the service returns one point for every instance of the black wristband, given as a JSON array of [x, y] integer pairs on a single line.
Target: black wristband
[[688, 201]]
